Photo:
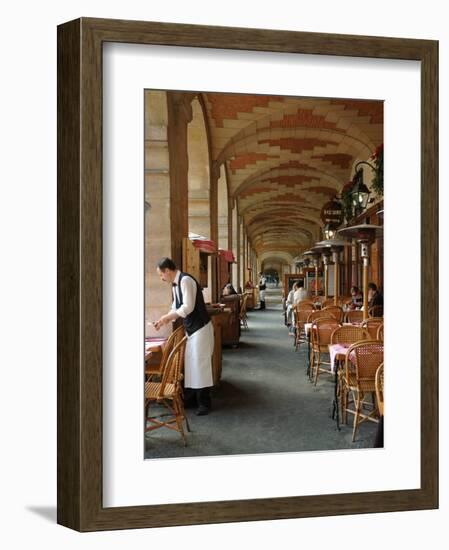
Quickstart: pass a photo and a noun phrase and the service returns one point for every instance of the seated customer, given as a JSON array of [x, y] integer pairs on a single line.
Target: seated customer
[[289, 304], [357, 298], [375, 298], [300, 294]]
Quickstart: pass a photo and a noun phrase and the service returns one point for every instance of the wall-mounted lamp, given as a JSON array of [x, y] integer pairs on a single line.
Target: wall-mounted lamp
[[360, 192]]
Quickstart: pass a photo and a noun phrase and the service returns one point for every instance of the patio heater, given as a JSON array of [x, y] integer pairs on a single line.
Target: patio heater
[[324, 249], [305, 265], [336, 246], [315, 256], [365, 234]]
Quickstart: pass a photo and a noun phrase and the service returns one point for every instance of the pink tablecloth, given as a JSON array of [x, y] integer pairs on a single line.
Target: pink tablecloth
[[337, 349], [153, 343]]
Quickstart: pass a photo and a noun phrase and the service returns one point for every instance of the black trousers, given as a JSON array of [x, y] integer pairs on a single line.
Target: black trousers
[[199, 397]]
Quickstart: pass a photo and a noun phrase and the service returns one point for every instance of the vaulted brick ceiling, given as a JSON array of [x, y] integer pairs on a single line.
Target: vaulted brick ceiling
[[285, 157]]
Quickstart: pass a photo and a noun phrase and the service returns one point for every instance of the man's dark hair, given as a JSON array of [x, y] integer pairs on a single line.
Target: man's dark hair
[[166, 263], [372, 286], [301, 283]]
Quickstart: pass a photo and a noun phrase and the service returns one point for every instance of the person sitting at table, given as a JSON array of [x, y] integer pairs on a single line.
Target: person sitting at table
[[289, 306], [300, 293], [228, 290], [357, 298], [375, 298]]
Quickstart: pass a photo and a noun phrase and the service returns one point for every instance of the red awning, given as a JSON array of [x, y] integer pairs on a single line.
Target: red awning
[[227, 255], [205, 245]]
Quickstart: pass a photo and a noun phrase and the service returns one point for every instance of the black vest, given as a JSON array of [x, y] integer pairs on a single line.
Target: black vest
[[199, 316]]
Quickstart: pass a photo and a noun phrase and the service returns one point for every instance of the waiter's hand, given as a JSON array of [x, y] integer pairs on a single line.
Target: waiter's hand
[[164, 320], [160, 323]]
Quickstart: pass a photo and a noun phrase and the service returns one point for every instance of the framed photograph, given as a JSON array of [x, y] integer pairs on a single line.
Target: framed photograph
[[148, 112]]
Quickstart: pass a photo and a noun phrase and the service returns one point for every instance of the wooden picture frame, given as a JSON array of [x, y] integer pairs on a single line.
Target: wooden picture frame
[[80, 274]]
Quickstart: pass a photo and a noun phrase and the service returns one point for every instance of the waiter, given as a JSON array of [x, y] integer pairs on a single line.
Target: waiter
[[262, 288], [188, 303]]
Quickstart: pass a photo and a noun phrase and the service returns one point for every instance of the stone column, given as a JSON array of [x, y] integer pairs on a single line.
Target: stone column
[[239, 259], [179, 115], [158, 226], [235, 240], [214, 177]]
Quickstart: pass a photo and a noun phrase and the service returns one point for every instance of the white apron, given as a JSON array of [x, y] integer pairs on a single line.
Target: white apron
[[198, 358]]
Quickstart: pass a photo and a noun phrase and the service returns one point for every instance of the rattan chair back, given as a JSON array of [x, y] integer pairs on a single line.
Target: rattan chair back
[[172, 372], [320, 337], [319, 314], [366, 356], [305, 304], [379, 384], [372, 325], [301, 318], [349, 334], [354, 316], [362, 361], [380, 333], [322, 330], [344, 300], [168, 392], [335, 311], [175, 337]]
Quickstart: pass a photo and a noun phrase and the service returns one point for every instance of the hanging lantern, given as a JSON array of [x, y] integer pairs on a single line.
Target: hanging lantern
[[359, 193]]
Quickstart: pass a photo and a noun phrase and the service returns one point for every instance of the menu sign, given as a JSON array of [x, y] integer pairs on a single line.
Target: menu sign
[[332, 213]]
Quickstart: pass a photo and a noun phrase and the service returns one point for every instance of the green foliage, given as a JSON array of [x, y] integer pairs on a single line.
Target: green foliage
[[378, 181], [346, 203]]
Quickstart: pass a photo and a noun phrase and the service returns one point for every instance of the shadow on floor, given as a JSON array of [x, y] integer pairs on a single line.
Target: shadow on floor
[[46, 512]]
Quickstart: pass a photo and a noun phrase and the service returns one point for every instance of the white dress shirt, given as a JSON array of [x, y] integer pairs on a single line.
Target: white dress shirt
[[300, 295], [289, 300], [188, 289]]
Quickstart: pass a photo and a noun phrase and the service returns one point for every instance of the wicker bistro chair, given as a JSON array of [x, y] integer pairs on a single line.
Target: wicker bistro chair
[[242, 315], [301, 316], [156, 370], [354, 316], [344, 300], [321, 333], [305, 304], [335, 311], [169, 393], [379, 384], [306, 316], [362, 361], [380, 333], [348, 335], [326, 303], [372, 325]]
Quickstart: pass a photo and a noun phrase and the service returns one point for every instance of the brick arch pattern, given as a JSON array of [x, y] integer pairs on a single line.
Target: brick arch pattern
[[285, 157]]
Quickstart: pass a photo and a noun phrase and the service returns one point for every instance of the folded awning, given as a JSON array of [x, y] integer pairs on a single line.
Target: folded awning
[[205, 246], [227, 255]]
